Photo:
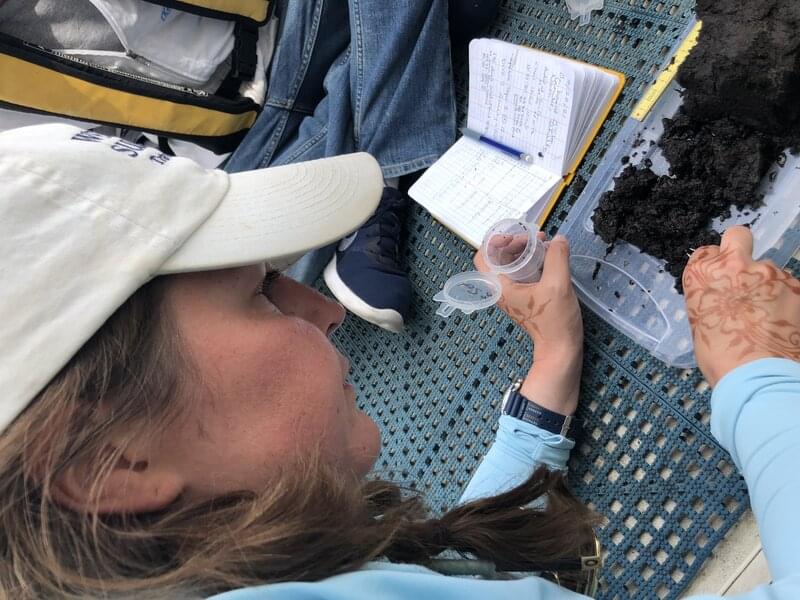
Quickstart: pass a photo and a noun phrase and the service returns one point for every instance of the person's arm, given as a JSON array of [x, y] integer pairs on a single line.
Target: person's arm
[[518, 450], [548, 311], [756, 417], [745, 319]]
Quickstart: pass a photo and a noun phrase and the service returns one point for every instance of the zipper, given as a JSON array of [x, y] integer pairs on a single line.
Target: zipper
[[154, 65], [118, 73], [123, 39]]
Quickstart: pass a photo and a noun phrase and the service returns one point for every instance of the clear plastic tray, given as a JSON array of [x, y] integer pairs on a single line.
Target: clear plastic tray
[[631, 290]]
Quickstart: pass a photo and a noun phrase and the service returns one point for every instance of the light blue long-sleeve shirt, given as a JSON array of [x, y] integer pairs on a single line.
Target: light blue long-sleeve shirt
[[755, 416]]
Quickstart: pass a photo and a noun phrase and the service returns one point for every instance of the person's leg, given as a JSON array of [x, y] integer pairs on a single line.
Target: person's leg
[[312, 35], [401, 88], [396, 100], [328, 129], [326, 132], [402, 82], [391, 94], [311, 56]]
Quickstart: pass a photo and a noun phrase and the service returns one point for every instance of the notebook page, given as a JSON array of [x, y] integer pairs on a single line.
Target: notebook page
[[473, 186], [522, 98], [582, 109], [597, 95]]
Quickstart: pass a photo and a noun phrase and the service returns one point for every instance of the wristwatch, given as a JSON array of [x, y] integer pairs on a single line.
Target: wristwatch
[[518, 406]]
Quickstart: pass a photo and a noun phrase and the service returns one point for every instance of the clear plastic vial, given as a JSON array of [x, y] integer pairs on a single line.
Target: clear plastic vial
[[510, 248], [513, 248]]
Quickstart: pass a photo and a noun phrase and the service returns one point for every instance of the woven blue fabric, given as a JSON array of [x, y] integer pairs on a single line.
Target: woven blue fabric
[[647, 460]]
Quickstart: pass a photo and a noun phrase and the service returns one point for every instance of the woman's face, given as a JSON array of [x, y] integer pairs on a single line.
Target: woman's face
[[270, 384]]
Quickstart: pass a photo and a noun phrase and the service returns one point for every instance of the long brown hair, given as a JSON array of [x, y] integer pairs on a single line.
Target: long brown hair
[[313, 522]]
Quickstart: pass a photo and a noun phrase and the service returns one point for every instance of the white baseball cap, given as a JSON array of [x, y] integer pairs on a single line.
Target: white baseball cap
[[86, 219]]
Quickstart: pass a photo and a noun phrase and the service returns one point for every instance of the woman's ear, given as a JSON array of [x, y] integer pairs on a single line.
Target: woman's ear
[[134, 485]]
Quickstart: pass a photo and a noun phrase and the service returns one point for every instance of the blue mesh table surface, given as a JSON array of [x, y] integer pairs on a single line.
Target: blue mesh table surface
[[647, 460]]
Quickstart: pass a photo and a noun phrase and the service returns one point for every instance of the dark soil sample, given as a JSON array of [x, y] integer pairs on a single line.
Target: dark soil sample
[[741, 108], [673, 220], [715, 165], [730, 158], [747, 65]]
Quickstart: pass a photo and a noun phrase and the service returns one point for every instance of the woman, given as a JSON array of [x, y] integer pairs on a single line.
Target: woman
[[202, 438]]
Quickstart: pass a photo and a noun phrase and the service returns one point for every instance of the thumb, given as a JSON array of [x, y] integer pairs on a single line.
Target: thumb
[[556, 262], [480, 263], [738, 239]]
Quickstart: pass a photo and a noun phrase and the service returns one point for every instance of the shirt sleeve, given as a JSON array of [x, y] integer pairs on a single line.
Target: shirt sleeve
[[404, 582], [518, 450], [755, 415]]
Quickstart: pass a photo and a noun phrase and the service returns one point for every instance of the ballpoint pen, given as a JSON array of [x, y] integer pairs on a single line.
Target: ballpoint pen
[[474, 135]]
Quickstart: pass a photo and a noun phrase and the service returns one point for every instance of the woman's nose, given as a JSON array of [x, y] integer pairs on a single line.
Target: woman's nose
[[324, 312], [335, 314]]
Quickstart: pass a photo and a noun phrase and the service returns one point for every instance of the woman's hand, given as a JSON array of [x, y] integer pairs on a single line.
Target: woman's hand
[[549, 312], [739, 310]]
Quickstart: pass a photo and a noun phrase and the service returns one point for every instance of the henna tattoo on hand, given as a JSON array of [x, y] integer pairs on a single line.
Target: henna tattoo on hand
[[749, 307], [526, 318]]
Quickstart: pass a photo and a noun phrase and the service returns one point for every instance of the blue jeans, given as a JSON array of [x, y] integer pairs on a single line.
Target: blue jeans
[[361, 75]]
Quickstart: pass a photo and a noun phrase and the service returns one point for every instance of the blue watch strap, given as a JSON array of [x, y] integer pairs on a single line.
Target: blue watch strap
[[524, 409]]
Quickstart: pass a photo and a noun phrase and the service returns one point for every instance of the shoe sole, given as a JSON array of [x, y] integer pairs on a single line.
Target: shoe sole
[[386, 318]]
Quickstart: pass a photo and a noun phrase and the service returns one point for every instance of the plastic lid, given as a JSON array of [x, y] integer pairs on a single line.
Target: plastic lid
[[582, 9], [468, 292]]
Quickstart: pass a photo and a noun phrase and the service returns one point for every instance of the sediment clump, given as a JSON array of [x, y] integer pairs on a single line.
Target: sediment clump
[[741, 110]]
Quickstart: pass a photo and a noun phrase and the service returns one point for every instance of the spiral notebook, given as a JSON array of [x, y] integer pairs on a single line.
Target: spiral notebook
[[545, 105]]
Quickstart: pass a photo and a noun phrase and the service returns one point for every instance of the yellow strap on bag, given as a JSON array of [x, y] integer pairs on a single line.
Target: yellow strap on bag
[[36, 80], [252, 10]]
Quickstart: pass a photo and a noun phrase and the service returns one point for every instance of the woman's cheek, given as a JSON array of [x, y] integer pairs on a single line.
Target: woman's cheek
[[366, 446]]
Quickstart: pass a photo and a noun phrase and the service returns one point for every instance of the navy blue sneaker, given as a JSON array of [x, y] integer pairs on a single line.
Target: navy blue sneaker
[[365, 274]]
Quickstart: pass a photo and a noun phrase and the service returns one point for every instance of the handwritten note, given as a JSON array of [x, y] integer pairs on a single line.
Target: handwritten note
[[473, 186], [532, 101], [522, 98]]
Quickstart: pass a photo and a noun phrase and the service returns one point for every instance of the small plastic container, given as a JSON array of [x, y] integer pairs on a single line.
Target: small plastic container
[[582, 9], [510, 248]]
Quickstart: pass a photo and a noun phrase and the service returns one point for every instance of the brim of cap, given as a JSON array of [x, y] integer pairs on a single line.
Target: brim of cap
[[279, 213]]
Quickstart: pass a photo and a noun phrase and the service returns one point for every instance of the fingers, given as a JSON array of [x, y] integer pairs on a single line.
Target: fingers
[[479, 263], [556, 263], [738, 239], [516, 246], [500, 240], [504, 249]]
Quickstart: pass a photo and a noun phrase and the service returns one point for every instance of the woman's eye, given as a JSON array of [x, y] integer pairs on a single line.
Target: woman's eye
[[265, 288]]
